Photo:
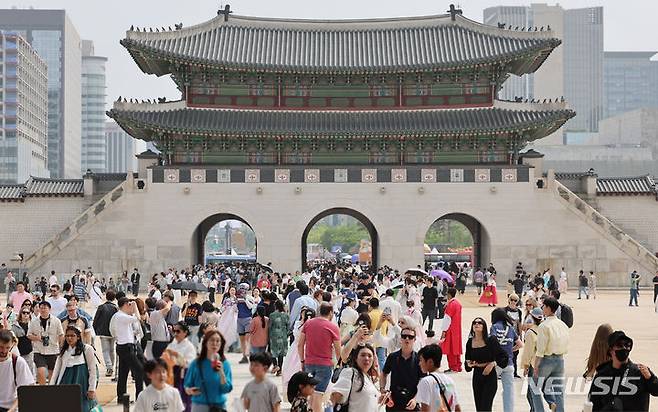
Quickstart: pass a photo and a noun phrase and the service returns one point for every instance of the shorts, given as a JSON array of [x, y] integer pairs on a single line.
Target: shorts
[[322, 373], [45, 361], [244, 326]]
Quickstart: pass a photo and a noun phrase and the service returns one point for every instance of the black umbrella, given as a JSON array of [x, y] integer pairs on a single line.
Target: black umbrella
[[416, 272], [266, 268], [189, 286]]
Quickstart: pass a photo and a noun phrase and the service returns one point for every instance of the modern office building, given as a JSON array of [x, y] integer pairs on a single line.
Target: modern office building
[[23, 111], [573, 70], [55, 39], [630, 81], [94, 154], [121, 149]]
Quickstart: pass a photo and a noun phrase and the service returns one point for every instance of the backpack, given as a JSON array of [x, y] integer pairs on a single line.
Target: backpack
[[566, 314], [14, 361]]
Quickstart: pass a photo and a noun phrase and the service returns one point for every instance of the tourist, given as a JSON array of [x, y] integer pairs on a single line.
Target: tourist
[[451, 332], [502, 328], [583, 284], [483, 354], [20, 330], [478, 278], [228, 317], [79, 311], [599, 352], [126, 329], [173, 317], [259, 331], [608, 394], [389, 305], [73, 319], [490, 294], [260, 394], [378, 322], [133, 285], [47, 335], [515, 314], [304, 300], [14, 372], [404, 368], [592, 284], [348, 315], [7, 316], [635, 287], [436, 391], [552, 345], [278, 336], [655, 287], [159, 330], [318, 342], [359, 336], [563, 282], [80, 291], [300, 388], [158, 395], [208, 379], [430, 298], [243, 321], [530, 304], [355, 387], [178, 356], [76, 365], [19, 296], [101, 325], [57, 301], [414, 312], [291, 361], [192, 316], [528, 357]]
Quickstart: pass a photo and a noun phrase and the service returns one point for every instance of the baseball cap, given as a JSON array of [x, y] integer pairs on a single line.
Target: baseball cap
[[617, 336], [537, 313], [350, 295], [303, 378]]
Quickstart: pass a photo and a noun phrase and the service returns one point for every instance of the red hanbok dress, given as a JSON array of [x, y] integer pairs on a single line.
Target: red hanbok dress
[[452, 345], [489, 295]]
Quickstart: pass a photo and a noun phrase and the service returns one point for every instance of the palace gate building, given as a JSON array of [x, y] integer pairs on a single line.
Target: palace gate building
[[394, 121]]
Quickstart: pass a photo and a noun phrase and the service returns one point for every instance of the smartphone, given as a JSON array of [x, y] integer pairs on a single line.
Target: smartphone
[[387, 311]]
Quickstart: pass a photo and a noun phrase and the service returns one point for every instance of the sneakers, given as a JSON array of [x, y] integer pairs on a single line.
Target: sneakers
[[244, 359]]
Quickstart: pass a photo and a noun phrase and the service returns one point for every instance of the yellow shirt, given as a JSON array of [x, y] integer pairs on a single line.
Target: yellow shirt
[[529, 347], [552, 337]]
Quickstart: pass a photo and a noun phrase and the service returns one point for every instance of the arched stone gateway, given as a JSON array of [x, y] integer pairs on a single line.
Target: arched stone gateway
[[199, 236], [370, 227], [481, 241]]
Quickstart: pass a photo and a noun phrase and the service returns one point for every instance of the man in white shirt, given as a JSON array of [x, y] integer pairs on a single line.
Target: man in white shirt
[[436, 391], [53, 278], [126, 329], [14, 372], [47, 336], [57, 301], [391, 304]]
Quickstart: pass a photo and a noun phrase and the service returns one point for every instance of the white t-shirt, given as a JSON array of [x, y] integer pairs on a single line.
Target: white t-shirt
[[57, 305], [166, 400], [8, 388], [52, 280], [428, 391], [364, 400]]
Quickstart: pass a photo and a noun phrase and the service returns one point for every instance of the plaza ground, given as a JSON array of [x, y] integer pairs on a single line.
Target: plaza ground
[[609, 307]]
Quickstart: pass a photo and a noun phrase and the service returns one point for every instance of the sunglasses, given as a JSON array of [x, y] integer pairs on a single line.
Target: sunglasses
[[477, 322], [513, 300], [26, 313], [529, 305], [410, 337]]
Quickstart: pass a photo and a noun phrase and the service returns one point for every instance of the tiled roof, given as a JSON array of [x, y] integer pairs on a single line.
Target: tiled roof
[[143, 122], [340, 46], [42, 187], [642, 185], [10, 193], [110, 176], [569, 175]]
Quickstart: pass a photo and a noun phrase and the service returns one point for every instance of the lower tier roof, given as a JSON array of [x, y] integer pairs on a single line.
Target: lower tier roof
[[147, 121]]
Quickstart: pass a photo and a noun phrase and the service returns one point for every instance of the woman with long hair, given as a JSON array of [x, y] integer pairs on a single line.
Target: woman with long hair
[[599, 352], [502, 328], [228, 317], [483, 354], [259, 331], [76, 365], [291, 362], [359, 337], [208, 378], [355, 387], [209, 315], [179, 355], [528, 356], [529, 305], [278, 335], [19, 328]]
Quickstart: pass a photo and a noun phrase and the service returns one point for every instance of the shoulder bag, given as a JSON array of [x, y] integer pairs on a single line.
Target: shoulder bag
[[345, 407], [211, 407]]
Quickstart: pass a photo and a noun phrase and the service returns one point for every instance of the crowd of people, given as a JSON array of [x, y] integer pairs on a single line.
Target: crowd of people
[[337, 336]]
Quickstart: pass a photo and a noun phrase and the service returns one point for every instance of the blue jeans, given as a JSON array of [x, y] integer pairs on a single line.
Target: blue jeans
[[552, 367], [633, 297], [322, 373], [534, 392], [583, 289], [381, 357], [507, 377]]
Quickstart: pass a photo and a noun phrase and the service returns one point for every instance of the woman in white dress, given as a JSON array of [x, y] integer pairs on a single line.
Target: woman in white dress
[[228, 318], [291, 363], [355, 387], [178, 355]]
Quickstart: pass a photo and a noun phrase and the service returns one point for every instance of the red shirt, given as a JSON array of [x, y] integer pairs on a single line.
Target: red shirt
[[263, 283], [320, 337]]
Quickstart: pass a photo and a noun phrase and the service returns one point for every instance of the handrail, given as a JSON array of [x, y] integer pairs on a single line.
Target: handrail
[[73, 230], [605, 225]]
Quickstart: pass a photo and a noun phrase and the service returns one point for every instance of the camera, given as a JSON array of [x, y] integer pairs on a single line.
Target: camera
[[45, 340]]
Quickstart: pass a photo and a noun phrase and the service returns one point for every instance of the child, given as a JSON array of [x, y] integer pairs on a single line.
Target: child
[[300, 387], [260, 394], [436, 392], [158, 396]]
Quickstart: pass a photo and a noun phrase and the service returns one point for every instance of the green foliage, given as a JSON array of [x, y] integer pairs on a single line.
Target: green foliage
[[347, 234], [448, 234]]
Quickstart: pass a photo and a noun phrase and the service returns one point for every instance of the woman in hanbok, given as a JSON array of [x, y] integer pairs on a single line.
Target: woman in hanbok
[[291, 363], [76, 365], [489, 295], [278, 336], [96, 294], [562, 285], [228, 318]]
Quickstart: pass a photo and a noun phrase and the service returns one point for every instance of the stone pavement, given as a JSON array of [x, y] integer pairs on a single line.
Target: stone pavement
[[611, 307]]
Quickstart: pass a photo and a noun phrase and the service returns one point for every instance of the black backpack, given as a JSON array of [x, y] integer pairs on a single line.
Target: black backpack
[[566, 314]]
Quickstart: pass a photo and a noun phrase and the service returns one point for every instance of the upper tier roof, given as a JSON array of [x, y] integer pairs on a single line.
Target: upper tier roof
[[42, 187], [428, 43]]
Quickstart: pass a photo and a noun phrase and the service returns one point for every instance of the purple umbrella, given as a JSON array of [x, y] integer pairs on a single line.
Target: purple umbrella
[[442, 274]]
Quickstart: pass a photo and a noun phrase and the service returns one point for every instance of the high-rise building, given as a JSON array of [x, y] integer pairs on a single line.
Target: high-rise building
[[630, 81], [574, 70], [23, 111], [93, 110], [121, 149], [53, 36]]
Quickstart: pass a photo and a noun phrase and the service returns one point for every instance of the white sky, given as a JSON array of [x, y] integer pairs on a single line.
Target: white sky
[[629, 25]]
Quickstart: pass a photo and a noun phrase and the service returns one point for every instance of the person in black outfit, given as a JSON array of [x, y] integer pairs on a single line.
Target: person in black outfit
[[404, 368], [619, 384], [430, 296], [134, 280], [655, 287], [483, 353]]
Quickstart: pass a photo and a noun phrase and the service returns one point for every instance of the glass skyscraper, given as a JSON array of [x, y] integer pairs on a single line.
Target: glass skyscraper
[[94, 156], [121, 149], [55, 39], [630, 81]]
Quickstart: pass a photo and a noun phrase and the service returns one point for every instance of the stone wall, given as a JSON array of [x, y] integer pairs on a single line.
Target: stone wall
[[636, 215]]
